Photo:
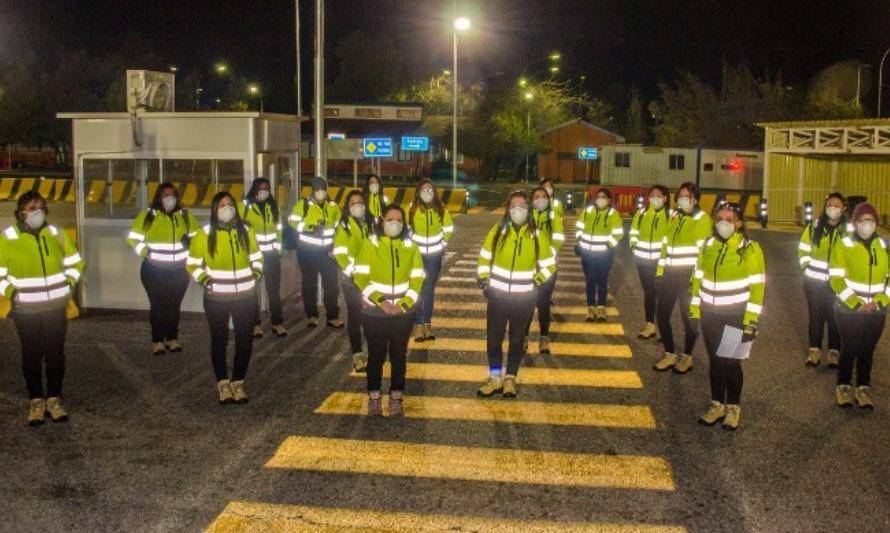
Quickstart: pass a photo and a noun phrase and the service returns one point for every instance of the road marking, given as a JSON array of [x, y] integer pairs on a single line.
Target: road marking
[[472, 280], [475, 291], [253, 517], [472, 271], [560, 266], [456, 305], [557, 377], [590, 328], [514, 412]]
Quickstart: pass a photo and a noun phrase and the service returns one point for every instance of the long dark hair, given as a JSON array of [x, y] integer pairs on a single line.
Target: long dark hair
[[27, 198], [696, 193], [546, 225], [243, 236], [158, 206], [254, 189], [504, 225], [345, 216], [435, 204], [378, 227], [822, 224], [366, 188]]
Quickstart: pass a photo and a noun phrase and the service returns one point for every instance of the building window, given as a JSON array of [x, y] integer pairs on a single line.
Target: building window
[[708, 167], [408, 114], [368, 112], [622, 159], [677, 162], [332, 112]]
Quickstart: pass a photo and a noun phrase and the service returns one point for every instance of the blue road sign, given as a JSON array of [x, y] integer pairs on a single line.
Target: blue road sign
[[377, 147], [415, 144], [587, 152]]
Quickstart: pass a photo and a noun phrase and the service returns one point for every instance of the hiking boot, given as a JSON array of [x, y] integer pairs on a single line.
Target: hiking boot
[[173, 346], [375, 405], [591, 314], [279, 330], [428, 332], [419, 333], [359, 362], [490, 388], [863, 398], [158, 348], [510, 387], [732, 418], [395, 404], [257, 332], [601, 314], [843, 394], [56, 412], [667, 362], [714, 414], [813, 357], [36, 412], [312, 322], [225, 392], [648, 332], [833, 358], [238, 393], [336, 323], [684, 364], [544, 345]]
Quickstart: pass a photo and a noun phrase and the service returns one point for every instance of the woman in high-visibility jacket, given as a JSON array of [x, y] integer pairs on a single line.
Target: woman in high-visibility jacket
[[549, 224], [686, 234], [860, 276], [39, 268], [160, 236], [352, 231], [259, 210], [555, 202], [225, 259], [647, 231], [374, 198], [315, 220], [817, 241], [431, 228], [389, 272], [727, 292], [514, 262], [599, 230]]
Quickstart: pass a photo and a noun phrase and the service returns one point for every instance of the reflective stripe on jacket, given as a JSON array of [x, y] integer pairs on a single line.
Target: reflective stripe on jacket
[[598, 230], [376, 203], [813, 259], [859, 271], [550, 223], [647, 231], [683, 240], [164, 242], [389, 270], [268, 231], [428, 231], [39, 269], [348, 240], [522, 259], [729, 273], [308, 215], [230, 272]]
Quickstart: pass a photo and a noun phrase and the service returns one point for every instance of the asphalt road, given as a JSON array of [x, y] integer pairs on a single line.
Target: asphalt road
[[595, 439]]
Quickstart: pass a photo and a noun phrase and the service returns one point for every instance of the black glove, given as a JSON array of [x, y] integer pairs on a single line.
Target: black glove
[[695, 326], [749, 333], [482, 283], [578, 249]]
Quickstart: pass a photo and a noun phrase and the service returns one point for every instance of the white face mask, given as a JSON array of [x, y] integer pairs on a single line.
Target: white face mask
[[374, 188], [865, 229], [357, 211], [518, 215], [169, 203], [35, 219], [426, 195], [725, 229], [601, 203], [833, 213], [320, 195], [657, 202], [392, 228], [684, 203], [262, 195], [226, 214], [541, 204]]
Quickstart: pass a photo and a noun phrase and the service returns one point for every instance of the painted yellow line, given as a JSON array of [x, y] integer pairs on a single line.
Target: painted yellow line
[[473, 464], [561, 265], [454, 305], [475, 291], [514, 412], [250, 517], [578, 349], [471, 271], [557, 377], [472, 280], [590, 328]]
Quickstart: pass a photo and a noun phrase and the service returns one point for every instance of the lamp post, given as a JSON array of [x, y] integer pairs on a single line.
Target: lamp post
[[881, 80], [529, 96], [320, 161], [254, 90], [296, 184], [460, 24]]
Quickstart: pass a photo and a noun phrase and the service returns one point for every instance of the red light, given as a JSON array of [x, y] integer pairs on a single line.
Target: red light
[[736, 164]]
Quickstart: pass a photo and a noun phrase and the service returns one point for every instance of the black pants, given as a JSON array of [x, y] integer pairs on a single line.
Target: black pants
[[860, 333], [165, 288], [315, 260], [596, 266], [820, 301], [726, 374], [387, 335], [42, 335], [674, 286], [501, 313], [353, 298], [272, 277], [542, 304], [646, 270], [432, 267], [243, 311]]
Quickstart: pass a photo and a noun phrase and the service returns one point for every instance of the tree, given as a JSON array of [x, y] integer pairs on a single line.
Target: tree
[[634, 127]]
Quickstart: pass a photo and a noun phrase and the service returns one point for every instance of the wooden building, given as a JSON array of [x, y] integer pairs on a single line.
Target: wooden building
[[561, 161]]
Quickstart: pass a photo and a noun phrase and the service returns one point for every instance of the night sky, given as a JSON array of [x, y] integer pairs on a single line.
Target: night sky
[[613, 43]]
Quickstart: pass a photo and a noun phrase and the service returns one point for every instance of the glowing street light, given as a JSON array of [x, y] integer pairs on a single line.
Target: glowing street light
[[446, 72], [529, 95], [221, 68], [173, 68], [554, 69], [523, 82], [460, 24], [254, 90], [555, 56]]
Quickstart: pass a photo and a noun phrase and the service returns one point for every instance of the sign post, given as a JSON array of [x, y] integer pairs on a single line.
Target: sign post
[[587, 153]]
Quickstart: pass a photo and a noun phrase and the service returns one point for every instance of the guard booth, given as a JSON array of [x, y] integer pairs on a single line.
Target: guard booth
[[121, 158]]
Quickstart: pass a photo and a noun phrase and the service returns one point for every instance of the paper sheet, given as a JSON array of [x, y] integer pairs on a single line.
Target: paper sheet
[[731, 345]]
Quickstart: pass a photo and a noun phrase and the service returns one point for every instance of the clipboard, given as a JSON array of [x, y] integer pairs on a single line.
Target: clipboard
[[731, 345]]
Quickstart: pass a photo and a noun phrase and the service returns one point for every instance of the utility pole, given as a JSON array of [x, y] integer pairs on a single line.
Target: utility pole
[[881, 81], [298, 182], [320, 161]]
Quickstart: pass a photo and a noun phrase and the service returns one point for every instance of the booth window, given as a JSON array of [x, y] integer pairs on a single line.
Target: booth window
[[622, 159], [677, 162], [111, 186], [708, 167]]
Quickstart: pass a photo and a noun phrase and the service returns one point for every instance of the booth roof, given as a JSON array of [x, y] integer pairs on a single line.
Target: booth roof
[[188, 114]]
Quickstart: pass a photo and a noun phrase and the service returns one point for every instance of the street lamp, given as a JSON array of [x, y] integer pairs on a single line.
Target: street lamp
[[221, 68], [529, 96], [881, 80], [555, 56], [523, 82], [460, 24], [173, 68], [254, 90]]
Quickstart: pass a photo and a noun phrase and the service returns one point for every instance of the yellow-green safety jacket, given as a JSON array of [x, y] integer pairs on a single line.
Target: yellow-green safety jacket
[[859, 271], [550, 223], [814, 259], [557, 206], [376, 202], [308, 215], [683, 240], [260, 218], [164, 242], [598, 230], [430, 231], [523, 259], [389, 270], [727, 274], [348, 240], [647, 231], [235, 267], [38, 270]]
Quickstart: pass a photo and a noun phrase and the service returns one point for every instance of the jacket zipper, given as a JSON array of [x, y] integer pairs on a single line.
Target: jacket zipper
[[392, 267], [40, 251], [232, 250], [517, 249]]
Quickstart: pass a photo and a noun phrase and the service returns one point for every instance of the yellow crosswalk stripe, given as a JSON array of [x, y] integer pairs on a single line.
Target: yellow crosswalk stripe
[[590, 328], [471, 280], [455, 305], [562, 266], [514, 412], [473, 464], [475, 291], [250, 517], [471, 271], [578, 349], [556, 377]]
